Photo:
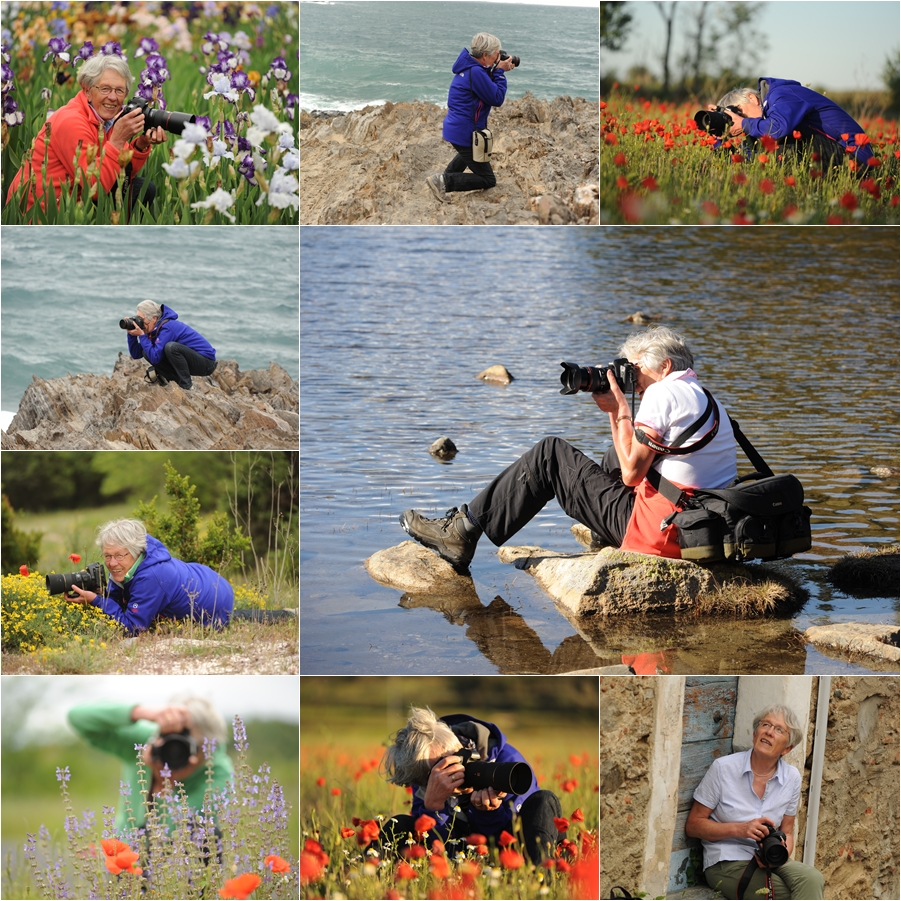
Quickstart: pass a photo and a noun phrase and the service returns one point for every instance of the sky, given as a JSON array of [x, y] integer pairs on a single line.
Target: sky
[[833, 45], [49, 698]]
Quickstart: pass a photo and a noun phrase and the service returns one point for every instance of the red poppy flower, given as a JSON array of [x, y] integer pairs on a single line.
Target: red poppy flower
[[336, 791], [346, 832], [875, 161], [405, 871], [585, 878], [75, 558], [737, 157], [439, 867], [577, 815], [561, 823], [437, 846], [424, 824], [622, 182], [311, 846], [603, 105], [23, 570], [845, 136], [510, 859], [123, 862], [506, 839], [650, 183], [476, 839], [710, 208], [393, 895], [848, 201], [739, 178], [112, 846], [769, 143], [470, 871], [796, 134], [766, 186], [611, 139], [276, 864], [619, 159], [763, 158], [369, 832], [413, 852], [239, 887], [789, 180], [870, 187], [860, 140], [320, 780], [569, 785]]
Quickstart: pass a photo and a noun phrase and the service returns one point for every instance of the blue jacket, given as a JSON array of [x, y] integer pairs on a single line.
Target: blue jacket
[[161, 586], [472, 94], [492, 746], [788, 106], [168, 328]]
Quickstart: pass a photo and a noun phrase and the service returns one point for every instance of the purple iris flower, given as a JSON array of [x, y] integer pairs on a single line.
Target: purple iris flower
[[144, 91], [59, 27], [146, 45], [59, 4], [246, 168], [205, 122], [8, 76], [211, 42], [244, 145], [226, 60], [58, 48], [278, 69], [112, 48], [153, 76], [240, 82], [12, 115], [86, 52], [155, 61]]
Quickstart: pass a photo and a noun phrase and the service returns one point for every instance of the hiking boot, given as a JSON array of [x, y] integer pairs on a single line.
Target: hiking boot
[[436, 184], [453, 537], [155, 378]]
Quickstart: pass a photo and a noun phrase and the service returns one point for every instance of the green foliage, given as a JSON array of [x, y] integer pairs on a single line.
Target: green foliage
[[615, 23], [890, 79], [51, 480], [18, 547], [178, 529]]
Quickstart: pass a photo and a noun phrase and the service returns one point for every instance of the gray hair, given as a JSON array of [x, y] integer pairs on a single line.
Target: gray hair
[[127, 533], [655, 345], [406, 762], [794, 725], [206, 721], [150, 308], [483, 44], [738, 97], [91, 71]]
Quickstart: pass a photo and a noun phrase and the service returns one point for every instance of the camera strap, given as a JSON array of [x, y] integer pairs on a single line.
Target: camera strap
[[674, 448], [749, 871]]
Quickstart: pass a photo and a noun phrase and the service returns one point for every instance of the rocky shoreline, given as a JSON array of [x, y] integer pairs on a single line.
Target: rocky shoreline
[[369, 166]]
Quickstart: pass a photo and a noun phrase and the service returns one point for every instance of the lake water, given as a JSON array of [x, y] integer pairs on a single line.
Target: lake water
[[795, 330], [358, 53], [66, 288]]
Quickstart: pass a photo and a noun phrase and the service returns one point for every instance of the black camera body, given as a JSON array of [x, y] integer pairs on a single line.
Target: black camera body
[[514, 778], [176, 749], [131, 322], [772, 849], [594, 379], [515, 59], [168, 120], [91, 578], [716, 122]]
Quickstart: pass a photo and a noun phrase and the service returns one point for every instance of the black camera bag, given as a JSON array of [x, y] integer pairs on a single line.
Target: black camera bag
[[758, 516]]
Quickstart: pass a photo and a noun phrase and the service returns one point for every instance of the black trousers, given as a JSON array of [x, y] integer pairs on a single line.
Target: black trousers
[[180, 362], [140, 190], [456, 178], [537, 814], [592, 493]]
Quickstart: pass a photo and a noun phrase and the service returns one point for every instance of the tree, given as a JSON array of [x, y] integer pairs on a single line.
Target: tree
[[701, 46], [890, 79], [615, 22], [669, 17], [18, 547], [741, 42]]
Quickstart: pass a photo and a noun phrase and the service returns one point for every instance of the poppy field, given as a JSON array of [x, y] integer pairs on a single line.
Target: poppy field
[[236, 846], [231, 65], [344, 801], [657, 167]]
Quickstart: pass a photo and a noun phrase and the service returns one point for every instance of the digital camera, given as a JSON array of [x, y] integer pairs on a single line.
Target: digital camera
[[575, 378], [176, 750], [168, 120], [716, 122], [91, 578], [132, 322], [514, 778], [772, 848]]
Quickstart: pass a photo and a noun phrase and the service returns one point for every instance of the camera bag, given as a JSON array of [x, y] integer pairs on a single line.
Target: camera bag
[[758, 516], [482, 145]]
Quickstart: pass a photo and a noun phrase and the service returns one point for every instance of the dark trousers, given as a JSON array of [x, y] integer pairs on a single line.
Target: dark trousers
[[180, 362], [537, 814], [139, 190], [591, 493], [830, 152], [456, 178]]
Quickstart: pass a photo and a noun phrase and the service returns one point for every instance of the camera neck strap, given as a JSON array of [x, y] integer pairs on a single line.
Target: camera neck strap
[[748, 874], [675, 448]]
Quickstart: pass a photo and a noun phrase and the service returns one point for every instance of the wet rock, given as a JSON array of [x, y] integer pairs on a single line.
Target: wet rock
[[411, 567], [639, 318], [613, 582], [884, 472], [443, 448], [858, 638], [498, 374], [868, 573], [228, 410]]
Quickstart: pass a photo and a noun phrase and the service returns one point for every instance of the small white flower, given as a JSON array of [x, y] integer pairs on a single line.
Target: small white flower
[[219, 200], [221, 86], [178, 168], [290, 161], [282, 191], [194, 133], [264, 118], [220, 151], [286, 140], [182, 149]]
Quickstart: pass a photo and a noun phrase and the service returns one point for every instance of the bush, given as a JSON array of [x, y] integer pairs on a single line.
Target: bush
[[18, 548]]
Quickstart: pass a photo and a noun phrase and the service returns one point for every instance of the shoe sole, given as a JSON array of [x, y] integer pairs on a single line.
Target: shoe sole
[[459, 567], [435, 190]]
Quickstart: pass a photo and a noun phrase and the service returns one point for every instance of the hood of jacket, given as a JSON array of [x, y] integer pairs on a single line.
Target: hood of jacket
[[480, 735], [464, 62], [156, 553]]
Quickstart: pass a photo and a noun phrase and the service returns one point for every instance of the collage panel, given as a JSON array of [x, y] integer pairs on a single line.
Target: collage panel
[[466, 786]]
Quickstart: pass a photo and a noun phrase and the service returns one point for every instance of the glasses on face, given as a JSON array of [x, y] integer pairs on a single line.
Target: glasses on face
[[106, 90], [777, 729], [115, 558]]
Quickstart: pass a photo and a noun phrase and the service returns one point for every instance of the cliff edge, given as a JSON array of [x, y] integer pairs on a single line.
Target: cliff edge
[[229, 410], [369, 166]]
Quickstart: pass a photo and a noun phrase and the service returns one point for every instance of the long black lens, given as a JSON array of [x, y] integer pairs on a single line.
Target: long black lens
[[57, 583], [512, 778], [774, 852], [168, 120], [713, 122], [126, 323]]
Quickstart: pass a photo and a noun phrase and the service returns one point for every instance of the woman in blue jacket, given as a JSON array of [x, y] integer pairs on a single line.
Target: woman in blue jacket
[[798, 118], [146, 582], [176, 350], [479, 84]]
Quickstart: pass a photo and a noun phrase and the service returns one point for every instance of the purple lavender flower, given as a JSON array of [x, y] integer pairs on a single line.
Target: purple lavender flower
[[125, 789], [58, 48], [271, 11], [63, 775], [165, 772], [112, 48], [239, 730], [147, 45]]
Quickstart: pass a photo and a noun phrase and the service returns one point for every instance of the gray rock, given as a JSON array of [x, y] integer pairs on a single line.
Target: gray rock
[[859, 638], [411, 567], [443, 448], [613, 582], [497, 373]]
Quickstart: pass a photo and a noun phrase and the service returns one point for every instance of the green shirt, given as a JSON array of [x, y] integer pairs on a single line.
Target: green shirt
[[108, 726]]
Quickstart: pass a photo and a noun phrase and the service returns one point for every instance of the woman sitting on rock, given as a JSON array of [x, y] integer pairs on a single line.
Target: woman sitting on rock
[[147, 582], [479, 84], [741, 798], [614, 499]]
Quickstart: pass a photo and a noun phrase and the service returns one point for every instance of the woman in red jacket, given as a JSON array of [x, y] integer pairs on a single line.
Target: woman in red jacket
[[88, 126]]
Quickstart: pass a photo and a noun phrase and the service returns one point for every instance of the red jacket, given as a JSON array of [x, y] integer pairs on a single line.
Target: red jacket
[[75, 122]]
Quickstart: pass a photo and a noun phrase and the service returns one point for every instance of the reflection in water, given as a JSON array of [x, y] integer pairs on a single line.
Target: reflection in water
[[795, 330]]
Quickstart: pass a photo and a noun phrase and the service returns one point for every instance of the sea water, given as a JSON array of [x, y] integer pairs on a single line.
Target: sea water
[[66, 288], [358, 53]]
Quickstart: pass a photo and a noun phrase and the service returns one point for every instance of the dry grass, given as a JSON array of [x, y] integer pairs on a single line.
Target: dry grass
[[867, 572], [749, 591]]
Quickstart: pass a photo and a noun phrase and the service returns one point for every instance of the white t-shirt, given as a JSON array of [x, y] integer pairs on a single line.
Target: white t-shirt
[[669, 407]]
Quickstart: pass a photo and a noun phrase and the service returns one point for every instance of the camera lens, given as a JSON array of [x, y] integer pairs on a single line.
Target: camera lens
[[168, 120], [126, 323]]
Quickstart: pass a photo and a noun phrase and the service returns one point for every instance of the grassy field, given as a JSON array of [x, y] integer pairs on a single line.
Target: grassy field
[[341, 789], [656, 167]]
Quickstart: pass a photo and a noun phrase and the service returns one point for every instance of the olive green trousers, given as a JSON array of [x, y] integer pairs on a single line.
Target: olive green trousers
[[792, 880]]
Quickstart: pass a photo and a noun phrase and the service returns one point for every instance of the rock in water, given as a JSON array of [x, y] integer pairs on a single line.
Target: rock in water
[[229, 410], [411, 567], [443, 448], [498, 374]]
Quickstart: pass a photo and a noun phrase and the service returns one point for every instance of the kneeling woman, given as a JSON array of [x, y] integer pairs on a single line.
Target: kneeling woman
[[738, 798], [147, 582]]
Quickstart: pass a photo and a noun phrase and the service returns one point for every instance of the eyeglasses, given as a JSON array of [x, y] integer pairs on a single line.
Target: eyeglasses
[[106, 90], [110, 558], [777, 729]]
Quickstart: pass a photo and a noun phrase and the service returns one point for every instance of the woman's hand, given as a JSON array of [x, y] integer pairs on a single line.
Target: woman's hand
[[84, 597], [126, 127], [149, 138], [506, 64], [487, 799], [445, 779], [173, 718], [755, 829]]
